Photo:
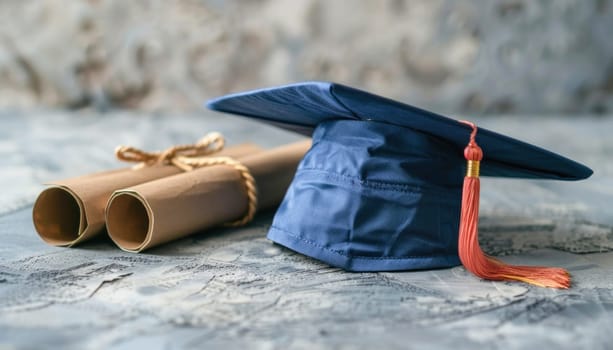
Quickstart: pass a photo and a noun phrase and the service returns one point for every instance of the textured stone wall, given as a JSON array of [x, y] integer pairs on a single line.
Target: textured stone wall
[[515, 56]]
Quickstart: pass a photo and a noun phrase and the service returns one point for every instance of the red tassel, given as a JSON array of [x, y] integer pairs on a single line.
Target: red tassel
[[471, 255]]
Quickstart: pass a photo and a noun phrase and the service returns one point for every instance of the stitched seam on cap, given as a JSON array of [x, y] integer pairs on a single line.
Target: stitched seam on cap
[[312, 243], [378, 185]]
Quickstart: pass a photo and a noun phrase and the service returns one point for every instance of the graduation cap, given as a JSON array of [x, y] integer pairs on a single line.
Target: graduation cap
[[387, 186]]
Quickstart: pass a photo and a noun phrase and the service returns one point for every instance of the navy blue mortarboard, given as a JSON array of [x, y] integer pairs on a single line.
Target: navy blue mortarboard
[[381, 189]]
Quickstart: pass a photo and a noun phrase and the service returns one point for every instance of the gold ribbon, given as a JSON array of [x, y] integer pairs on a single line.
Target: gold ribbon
[[193, 156]]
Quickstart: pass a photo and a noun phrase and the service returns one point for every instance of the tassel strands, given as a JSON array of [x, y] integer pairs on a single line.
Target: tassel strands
[[472, 256]]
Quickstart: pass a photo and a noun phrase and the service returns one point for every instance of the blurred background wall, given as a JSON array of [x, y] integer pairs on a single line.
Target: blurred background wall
[[506, 56]]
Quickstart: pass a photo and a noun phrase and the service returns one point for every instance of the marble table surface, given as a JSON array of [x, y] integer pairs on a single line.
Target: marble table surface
[[231, 288]]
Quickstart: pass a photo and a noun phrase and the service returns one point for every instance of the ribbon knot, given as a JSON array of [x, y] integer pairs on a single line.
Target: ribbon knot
[[211, 143], [192, 156]]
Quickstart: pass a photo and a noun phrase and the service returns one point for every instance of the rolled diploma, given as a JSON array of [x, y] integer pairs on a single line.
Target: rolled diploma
[[72, 210], [160, 211]]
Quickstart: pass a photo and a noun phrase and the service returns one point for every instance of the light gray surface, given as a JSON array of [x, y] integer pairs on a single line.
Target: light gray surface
[[234, 289]]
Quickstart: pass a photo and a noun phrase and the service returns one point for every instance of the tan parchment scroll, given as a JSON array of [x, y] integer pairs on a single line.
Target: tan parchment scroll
[[72, 211], [156, 212]]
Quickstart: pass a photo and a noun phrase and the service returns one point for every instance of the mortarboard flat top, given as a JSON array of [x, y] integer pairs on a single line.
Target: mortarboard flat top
[[301, 107], [381, 187]]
